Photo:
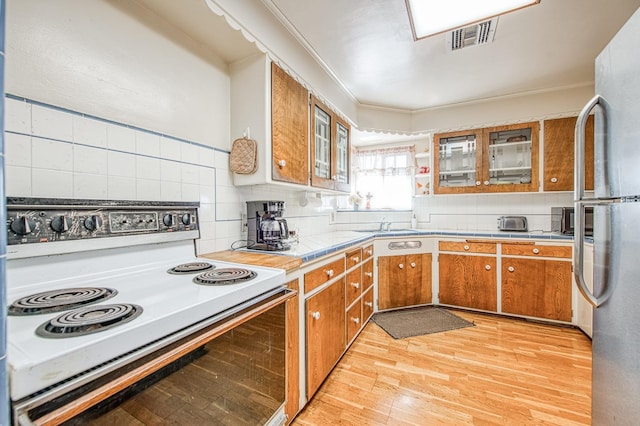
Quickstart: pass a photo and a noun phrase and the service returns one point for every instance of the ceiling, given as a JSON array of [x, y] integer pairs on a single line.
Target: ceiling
[[369, 47]]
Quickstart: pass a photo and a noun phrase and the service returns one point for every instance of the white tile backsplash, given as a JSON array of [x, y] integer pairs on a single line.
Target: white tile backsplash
[[51, 183], [51, 123], [18, 181], [148, 168], [88, 131], [121, 164], [49, 154], [17, 116], [147, 189], [147, 144], [170, 148], [121, 188], [90, 186], [121, 138], [17, 150], [170, 171], [90, 160]]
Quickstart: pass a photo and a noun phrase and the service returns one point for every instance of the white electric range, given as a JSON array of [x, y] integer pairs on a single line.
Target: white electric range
[[121, 255]]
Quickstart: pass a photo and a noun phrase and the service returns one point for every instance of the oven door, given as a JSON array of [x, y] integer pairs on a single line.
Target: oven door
[[231, 371]]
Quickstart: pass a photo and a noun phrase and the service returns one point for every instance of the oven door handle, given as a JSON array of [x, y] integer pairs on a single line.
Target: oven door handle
[[84, 402]]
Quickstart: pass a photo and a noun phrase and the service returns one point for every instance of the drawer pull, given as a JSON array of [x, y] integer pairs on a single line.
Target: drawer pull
[[356, 320], [487, 267], [413, 264], [554, 180], [369, 274], [511, 269], [329, 272], [401, 266], [369, 252], [315, 315], [355, 285], [282, 163], [536, 251], [356, 259], [369, 304], [466, 247]]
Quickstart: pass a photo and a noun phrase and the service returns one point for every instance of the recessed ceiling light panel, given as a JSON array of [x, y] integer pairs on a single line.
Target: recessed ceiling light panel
[[430, 17]]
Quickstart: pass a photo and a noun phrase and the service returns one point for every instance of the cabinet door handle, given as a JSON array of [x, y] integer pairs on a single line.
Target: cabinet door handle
[[369, 274], [554, 180], [355, 285], [466, 248], [282, 163], [369, 304], [356, 320], [478, 183], [401, 266], [486, 183], [536, 251], [334, 177], [315, 315], [413, 264], [511, 269], [369, 252], [329, 272], [356, 259], [487, 267]]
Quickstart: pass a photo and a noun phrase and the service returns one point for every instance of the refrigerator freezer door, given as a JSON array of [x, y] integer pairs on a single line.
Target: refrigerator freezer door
[[616, 323], [617, 68]]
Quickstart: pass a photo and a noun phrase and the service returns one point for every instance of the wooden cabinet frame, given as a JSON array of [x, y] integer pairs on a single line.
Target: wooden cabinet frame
[[333, 180], [482, 141]]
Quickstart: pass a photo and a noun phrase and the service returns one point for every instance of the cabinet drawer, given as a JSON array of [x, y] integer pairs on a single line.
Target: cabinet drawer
[[536, 250], [367, 274], [367, 305], [367, 252], [354, 285], [354, 321], [321, 275], [353, 257], [489, 248]]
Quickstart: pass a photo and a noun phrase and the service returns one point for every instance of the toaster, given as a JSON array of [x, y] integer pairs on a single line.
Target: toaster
[[512, 223]]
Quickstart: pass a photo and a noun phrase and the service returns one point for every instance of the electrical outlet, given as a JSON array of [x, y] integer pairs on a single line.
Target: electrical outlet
[[243, 222]]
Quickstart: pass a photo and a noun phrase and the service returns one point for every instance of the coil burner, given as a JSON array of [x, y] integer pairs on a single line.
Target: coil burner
[[88, 320], [190, 268], [59, 300], [225, 276]]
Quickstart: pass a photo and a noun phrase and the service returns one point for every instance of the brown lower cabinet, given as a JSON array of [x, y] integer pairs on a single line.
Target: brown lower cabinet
[[404, 280], [536, 287], [468, 281], [325, 331]]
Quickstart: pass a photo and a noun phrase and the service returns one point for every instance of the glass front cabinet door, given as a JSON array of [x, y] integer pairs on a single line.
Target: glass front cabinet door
[[330, 149], [496, 159], [456, 167]]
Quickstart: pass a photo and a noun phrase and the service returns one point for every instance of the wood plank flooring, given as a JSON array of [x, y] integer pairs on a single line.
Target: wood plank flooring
[[501, 372]]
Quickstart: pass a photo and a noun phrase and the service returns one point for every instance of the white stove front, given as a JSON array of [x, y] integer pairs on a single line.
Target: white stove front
[[139, 274]]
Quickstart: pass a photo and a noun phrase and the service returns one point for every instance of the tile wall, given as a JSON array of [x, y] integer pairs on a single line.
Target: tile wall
[[53, 152]]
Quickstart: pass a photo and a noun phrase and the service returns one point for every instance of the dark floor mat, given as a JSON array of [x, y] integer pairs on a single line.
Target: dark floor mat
[[418, 321]]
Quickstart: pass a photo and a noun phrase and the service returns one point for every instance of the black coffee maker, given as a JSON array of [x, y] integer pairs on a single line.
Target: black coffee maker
[[267, 228]]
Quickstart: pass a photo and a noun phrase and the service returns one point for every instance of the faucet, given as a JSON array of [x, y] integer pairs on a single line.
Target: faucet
[[384, 225]]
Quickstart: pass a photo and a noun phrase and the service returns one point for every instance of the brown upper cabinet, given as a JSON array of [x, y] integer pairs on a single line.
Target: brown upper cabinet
[[559, 154], [330, 148], [495, 159], [289, 128]]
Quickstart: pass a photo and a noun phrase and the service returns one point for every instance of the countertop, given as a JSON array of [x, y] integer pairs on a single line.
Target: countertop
[[313, 247]]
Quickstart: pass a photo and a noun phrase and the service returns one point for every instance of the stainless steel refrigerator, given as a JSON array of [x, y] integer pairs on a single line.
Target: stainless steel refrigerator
[[616, 198]]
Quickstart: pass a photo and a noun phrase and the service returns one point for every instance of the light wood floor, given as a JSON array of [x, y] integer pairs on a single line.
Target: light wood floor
[[500, 372]]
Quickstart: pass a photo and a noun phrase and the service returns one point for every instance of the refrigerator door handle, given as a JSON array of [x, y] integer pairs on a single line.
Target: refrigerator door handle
[[580, 204], [581, 125]]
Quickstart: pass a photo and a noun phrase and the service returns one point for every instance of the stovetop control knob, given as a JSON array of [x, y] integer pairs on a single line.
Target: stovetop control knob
[[61, 223], [23, 225], [168, 219], [93, 223], [186, 219]]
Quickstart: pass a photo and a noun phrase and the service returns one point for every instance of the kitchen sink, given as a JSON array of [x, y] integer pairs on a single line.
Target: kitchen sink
[[392, 231]]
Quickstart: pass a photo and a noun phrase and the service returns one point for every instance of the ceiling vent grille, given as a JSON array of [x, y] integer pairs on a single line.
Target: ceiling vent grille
[[473, 35]]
